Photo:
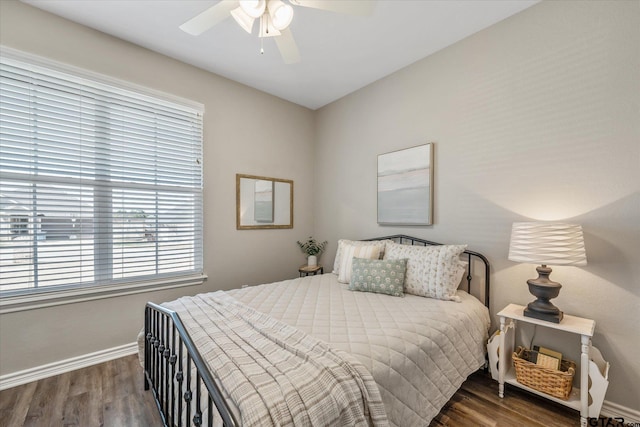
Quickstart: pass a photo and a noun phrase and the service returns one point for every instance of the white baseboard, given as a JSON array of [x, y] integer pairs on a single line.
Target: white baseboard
[[613, 410], [34, 374]]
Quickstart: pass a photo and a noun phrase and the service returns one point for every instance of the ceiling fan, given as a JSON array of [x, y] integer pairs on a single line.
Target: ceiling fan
[[274, 17]]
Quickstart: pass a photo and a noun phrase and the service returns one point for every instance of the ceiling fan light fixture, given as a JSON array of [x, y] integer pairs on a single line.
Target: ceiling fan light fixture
[[267, 29], [253, 8], [280, 13], [244, 20]]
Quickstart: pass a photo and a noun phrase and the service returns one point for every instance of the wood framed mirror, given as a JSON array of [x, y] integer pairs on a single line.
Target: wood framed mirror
[[263, 202]]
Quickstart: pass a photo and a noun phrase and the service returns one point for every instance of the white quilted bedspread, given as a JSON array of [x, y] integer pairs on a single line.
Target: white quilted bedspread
[[419, 350]]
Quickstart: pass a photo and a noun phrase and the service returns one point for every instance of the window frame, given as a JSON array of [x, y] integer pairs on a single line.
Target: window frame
[[18, 301]]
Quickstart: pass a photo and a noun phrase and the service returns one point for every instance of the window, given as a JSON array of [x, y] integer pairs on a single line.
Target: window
[[100, 185]]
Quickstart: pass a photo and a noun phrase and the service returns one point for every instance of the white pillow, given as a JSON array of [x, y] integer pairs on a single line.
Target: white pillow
[[461, 269], [349, 252], [342, 243], [432, 271]]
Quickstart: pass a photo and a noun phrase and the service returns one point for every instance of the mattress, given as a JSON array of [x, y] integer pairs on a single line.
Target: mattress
[[418, 350]]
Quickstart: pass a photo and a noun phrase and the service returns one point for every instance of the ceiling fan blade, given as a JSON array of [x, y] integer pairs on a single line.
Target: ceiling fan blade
[[287, 47], [209, 18], [350, 7]]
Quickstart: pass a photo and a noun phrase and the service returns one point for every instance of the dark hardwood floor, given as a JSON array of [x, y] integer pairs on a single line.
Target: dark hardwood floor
[[111, 394], [477, 404], [108, 394]]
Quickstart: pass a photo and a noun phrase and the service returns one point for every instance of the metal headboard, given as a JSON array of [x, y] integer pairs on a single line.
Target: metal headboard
[[415, 241]]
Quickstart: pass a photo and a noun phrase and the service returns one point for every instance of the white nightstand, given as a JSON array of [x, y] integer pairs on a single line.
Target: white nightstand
[[592, 366]]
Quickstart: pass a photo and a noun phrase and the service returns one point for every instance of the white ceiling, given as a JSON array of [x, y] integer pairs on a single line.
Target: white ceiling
[[340, 53]]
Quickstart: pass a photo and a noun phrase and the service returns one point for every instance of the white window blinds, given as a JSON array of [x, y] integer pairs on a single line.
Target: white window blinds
[[99, 184]]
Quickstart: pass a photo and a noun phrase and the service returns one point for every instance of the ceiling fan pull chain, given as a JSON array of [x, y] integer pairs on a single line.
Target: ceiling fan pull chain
[[261, 38]]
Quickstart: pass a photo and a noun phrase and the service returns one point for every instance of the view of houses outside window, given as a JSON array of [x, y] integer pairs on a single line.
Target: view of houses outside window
[[98, 184]]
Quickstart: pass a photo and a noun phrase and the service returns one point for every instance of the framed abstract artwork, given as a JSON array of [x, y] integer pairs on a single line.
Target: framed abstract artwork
[[405, 186]]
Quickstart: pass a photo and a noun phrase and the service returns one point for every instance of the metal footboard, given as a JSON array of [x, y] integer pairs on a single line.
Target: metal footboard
[[183, 387]]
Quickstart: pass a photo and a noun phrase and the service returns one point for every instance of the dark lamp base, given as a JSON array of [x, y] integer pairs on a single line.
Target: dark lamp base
[[548, 317], [544, 290]]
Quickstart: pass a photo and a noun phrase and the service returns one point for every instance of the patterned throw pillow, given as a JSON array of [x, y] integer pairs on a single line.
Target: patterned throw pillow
[[432, 271], [355, 251], [344, 243], [378, 275]]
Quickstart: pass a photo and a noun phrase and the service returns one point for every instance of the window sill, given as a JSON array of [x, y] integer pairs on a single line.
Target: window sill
[[48, 299]]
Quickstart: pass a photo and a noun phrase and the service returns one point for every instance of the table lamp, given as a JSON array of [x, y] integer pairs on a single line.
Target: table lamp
[[546, 243]]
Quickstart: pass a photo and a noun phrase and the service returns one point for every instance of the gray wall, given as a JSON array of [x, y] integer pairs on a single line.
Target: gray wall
[[535, 118], [231, 145]]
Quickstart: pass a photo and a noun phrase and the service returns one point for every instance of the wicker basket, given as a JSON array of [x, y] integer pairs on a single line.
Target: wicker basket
[[557, 383]]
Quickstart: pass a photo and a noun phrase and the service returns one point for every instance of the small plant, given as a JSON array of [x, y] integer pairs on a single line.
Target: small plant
[[312, 247]]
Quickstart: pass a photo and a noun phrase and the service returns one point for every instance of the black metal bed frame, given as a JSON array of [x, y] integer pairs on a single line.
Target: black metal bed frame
[[170, 356], [179, 400]]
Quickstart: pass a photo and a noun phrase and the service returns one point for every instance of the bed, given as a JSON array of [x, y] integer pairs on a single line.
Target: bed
[[406, 355]]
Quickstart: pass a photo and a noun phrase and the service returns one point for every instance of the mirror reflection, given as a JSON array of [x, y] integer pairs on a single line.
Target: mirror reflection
[[263, 202]]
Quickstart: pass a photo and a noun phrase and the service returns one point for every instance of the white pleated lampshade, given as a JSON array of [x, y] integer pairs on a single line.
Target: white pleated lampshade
[[547, 243]]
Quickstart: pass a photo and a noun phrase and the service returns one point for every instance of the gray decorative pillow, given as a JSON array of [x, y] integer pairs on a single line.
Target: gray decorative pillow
[[378, 275]]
